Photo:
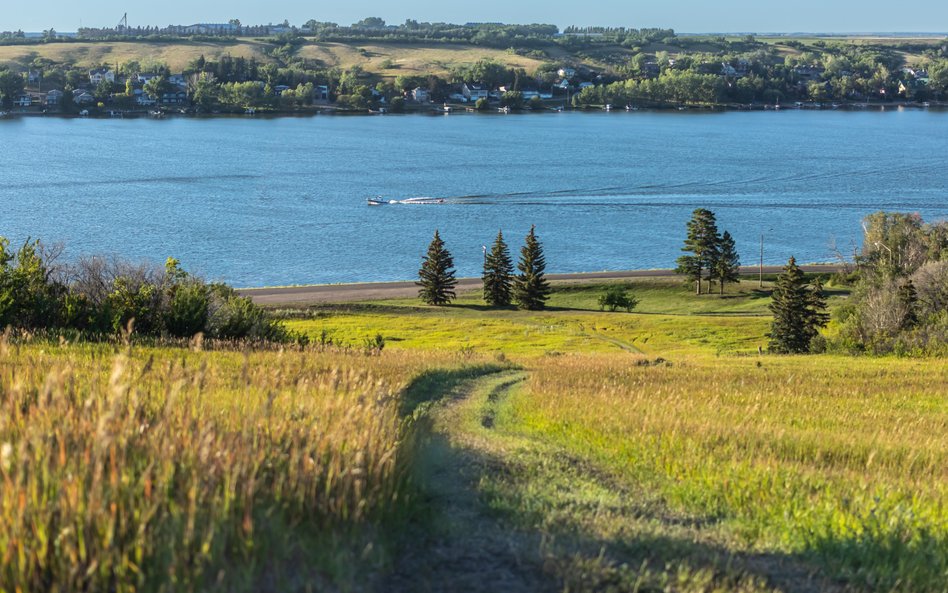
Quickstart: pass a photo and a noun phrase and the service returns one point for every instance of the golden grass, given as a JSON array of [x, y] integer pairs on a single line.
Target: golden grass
[[173, 470], [409, 59], [176, 55]]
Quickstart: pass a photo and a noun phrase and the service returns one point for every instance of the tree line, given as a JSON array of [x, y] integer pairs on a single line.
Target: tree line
[[98, 297], [528, 289], [899, 302]]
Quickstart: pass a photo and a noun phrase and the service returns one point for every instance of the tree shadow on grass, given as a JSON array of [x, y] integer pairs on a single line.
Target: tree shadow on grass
[[485, 530]]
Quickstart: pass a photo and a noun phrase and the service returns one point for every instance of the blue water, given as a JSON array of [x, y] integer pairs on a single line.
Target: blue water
[[282, 201]]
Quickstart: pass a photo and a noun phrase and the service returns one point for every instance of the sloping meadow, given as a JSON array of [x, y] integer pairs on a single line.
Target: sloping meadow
[[840, 460], [160, 469]]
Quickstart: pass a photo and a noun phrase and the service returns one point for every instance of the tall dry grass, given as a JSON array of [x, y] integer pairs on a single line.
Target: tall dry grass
[[171, 470]]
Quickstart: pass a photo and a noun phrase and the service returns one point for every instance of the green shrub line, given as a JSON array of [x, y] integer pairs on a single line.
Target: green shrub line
[[98, 298]]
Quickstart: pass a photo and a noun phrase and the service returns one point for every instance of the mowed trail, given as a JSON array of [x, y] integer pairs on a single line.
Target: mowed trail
[[508, 512]]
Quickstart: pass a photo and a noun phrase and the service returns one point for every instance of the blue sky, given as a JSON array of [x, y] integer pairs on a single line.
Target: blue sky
[[692, 16]]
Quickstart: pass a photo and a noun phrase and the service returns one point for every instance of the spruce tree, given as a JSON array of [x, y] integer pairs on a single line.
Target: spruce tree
[[727, 266], [908, 297], [799, 311], [531, 290], [498, 274], [702, 242], [436, 275]]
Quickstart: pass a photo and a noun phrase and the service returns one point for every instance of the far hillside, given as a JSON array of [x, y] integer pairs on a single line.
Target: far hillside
[[371, 66]]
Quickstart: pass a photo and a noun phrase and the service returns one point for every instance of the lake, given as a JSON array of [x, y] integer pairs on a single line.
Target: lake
[[259, 202]]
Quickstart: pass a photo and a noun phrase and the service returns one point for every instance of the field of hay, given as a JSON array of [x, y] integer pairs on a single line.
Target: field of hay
[[591, 451], [388, 60], [175, 55]]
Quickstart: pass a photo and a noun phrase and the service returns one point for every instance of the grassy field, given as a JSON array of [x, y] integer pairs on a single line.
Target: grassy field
[[645, 451], [162, 469], [388, 59], [663, 323], [371, 57], [392, 59], [176, 56]]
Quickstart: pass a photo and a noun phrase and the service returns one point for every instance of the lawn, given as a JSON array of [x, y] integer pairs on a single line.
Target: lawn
[[669, 320]]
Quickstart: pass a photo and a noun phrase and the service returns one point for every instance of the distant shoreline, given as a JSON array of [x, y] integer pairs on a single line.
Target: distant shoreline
[[460, 109]]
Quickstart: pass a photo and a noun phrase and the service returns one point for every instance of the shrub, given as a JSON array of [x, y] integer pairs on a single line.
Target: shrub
[[187, 310], [617, 297]]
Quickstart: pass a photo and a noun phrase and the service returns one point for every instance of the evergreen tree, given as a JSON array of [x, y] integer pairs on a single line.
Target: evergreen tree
[[436, 275], [531, 290], [498, 274], [908, 297], [702, 242], [799, 311], [727, 266]]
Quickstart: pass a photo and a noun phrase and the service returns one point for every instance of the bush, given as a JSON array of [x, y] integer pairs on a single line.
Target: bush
[[187, 310], [132, 298], [482, 104], [102, 296], [617, 297], [234, 317]]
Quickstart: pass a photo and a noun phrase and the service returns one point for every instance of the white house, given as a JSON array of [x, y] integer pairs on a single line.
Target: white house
[[420, 95], [473, 92], [23, 101], [566, 72], [99, 74], [83, 99]]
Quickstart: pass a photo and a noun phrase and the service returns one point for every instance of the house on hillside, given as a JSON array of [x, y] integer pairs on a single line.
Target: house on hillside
[[143, 77], [420, 95], [83, 98], [174, 98], [808, 73], [473, 92], [101, 74], [53, 98], [23, 101]]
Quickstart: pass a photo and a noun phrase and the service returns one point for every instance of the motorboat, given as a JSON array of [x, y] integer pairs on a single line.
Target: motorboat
[[376, 201]]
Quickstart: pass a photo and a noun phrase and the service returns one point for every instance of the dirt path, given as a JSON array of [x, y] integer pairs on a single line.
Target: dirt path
[[368, 291], [511, 513], [464, 548]]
